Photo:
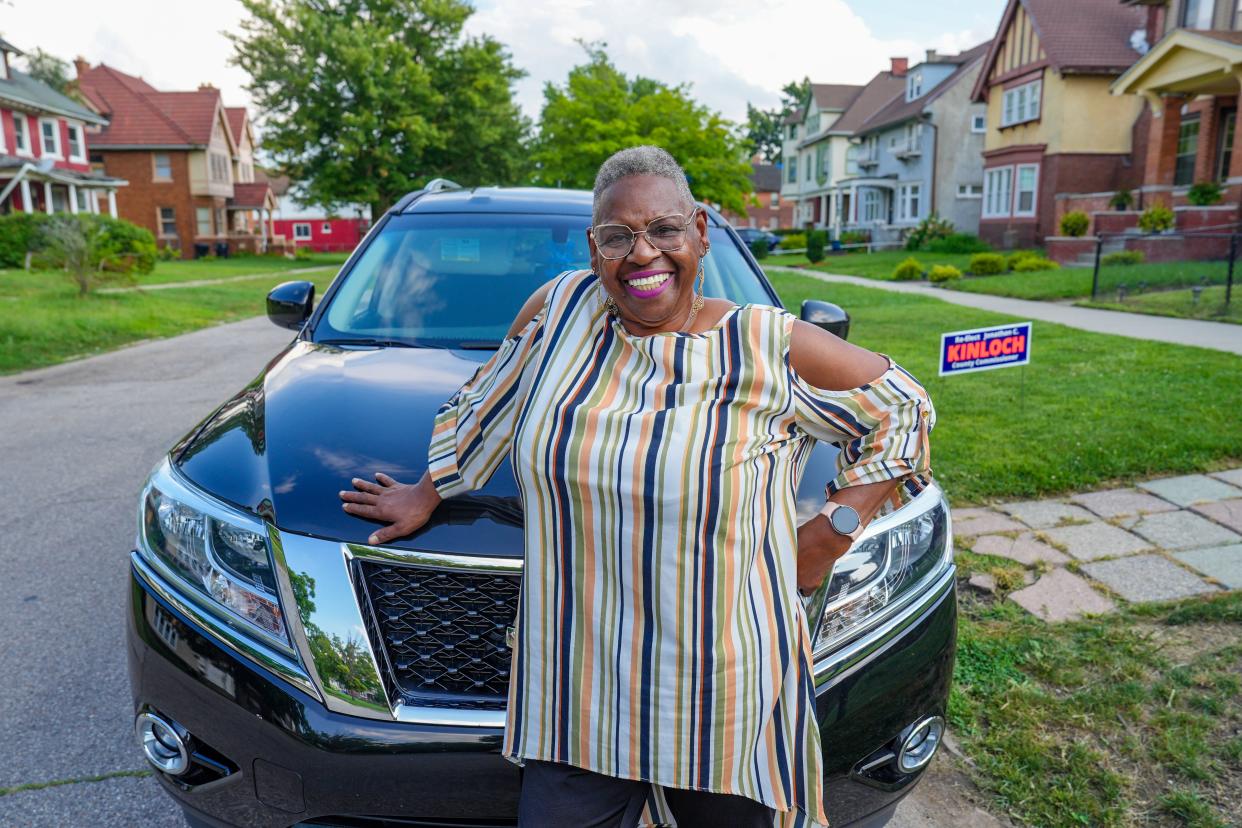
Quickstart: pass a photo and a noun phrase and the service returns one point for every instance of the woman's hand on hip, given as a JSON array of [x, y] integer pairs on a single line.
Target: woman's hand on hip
[[405, 507], [818, 549]]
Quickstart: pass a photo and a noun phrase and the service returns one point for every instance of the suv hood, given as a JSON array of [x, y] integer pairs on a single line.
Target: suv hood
[[319, 415]]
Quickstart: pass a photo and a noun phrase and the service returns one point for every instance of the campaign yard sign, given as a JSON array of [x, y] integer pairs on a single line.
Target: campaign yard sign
[[981, 349]]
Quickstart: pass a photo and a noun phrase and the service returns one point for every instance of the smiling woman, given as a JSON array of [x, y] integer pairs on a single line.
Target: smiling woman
[[662, 658]]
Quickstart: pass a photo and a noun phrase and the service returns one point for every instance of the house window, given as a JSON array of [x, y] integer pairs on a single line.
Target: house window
[[978, 123], [970, 191], [810, 168], [219, 167], [326, 228], [873, 148], [914, 86], [793, 131], [1021, 104], [1197, 14], [776, 201], [1229, 125], [163, 166], [792, 176], [873, 205], [168, 221], [1028, 184], [77, 147], [908, 202], [21, 133], [83, 204], [1187, 151], [813, 124], [997, 192], [49, 130], [914, 132], [202, 216], [301, 231]]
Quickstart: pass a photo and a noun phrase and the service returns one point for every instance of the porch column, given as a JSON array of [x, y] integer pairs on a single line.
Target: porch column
[[73, 198], [1235, 160], [112, 203], [1205, 158], [823, 210], [27, 201], [263, 228], [854, 204], [1166, 121], [47, 197]]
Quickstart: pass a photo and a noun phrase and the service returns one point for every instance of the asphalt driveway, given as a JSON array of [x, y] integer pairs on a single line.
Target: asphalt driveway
[[78, 441]]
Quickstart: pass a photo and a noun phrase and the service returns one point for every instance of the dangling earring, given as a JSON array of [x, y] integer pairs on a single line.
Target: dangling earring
[[610, 305]]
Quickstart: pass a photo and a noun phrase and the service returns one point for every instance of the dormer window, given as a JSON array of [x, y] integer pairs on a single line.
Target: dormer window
[[914, 85]]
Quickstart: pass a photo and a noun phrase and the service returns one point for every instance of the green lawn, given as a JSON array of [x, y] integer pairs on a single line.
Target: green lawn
[[1093, 410], [44, 322], [190, 270], [1180, 303], [1072, 282]]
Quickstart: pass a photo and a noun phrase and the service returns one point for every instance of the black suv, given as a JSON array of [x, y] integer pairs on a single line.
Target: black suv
[[285, 672]]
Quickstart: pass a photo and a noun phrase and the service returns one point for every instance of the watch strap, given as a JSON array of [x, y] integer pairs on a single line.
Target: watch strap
[[827, 511]]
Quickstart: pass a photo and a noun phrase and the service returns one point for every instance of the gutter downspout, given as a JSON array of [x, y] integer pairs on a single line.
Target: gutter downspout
[[21, 173], [935, 130]]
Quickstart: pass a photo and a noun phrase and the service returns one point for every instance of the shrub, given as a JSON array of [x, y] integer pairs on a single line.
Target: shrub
[[944, 273], [1030, 265], [300, 253], [1204, 193], [815, 242], [793, 241], [759, 248], [1013, 258], [125, 247], [987, 264], [908, 271], [855, 237], [928, 230], [1156, 218], [1075, 223], [1123, 257], [167, 253], [1121, 200], [959, 243], [93, 249], [19, 235]]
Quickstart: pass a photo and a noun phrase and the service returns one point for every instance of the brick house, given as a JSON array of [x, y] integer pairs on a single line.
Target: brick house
[[773, 211], [44, 160], [188, 158], [1053, 127]]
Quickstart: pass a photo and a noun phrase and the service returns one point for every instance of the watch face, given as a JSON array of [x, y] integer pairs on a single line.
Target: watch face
[[844, 519]]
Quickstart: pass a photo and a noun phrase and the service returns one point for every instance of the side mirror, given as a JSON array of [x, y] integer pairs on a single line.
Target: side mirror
[[289, 304], [832, 318]]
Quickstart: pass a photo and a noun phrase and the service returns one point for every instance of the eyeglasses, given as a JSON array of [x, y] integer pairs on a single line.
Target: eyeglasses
[[666, 234]]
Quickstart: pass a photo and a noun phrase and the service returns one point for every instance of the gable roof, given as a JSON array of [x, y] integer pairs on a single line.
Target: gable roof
[[1078, 36], [766, 178], [141, 115], [901, 110], [878, 93], [237, 121], [834, 95], [23, 90]]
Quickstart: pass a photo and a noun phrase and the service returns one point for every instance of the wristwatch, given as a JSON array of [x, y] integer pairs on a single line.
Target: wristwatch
[[843, 519]]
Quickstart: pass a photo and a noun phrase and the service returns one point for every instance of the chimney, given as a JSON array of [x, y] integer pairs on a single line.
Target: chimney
[[900, 65], [82, 65], [205, 87], [932, 56]]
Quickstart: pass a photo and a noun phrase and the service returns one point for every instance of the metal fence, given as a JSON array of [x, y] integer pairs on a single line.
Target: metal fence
[[1127, 265]]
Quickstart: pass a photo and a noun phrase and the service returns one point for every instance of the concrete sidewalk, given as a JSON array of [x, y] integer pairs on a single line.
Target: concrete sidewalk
[[1218, 336]]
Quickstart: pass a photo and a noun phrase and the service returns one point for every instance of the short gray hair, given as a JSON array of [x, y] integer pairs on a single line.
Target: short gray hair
[[641, 160]]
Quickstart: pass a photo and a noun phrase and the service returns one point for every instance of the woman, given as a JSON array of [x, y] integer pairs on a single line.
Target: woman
[[657, 437]]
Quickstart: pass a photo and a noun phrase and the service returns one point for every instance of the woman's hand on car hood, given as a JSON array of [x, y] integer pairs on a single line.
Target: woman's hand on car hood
[[404, 507]]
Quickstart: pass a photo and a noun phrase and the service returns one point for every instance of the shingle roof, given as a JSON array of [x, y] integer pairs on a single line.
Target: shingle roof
[[5, 46], [237, 121], [21, 88], [878, 93], [250, 194], [834, 95], [902, 110], [141, 115], [766, 178]]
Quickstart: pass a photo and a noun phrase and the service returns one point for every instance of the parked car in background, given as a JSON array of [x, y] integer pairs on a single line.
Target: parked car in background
[[749, 235], [285, 672]]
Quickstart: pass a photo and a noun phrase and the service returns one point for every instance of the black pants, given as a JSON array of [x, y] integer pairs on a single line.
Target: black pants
[[556, 795]]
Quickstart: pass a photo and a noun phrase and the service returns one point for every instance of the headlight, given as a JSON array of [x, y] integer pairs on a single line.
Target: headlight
[[881, 569], [217, 557]]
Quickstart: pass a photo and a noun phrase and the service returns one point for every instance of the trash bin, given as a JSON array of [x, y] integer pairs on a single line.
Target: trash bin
[[201, 249], [836, 245], [222, 250]]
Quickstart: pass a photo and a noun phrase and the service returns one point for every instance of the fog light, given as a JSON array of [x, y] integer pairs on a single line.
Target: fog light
[[921, 744], [162, 745]]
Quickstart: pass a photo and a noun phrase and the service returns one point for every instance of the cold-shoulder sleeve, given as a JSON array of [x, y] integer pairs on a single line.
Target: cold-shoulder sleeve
[[881, 427], [474, 429]]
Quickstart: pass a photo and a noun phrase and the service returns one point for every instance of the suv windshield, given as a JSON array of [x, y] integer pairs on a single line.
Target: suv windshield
[[458, 279]]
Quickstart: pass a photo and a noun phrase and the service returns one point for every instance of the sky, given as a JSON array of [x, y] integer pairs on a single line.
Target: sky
[[732, 51]]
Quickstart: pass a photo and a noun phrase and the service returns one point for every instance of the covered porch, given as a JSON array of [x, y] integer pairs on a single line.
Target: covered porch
[[866, 203], [250, 213], [1191, 81], [29, 187]]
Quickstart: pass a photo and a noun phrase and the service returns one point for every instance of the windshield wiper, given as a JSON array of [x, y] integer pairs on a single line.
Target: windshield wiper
[[478, 345], [386, 343]]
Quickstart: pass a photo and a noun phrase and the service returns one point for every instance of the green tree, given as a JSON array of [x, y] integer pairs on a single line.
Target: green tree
[[50, 70], [365, 100], [599, 111], [765, 128], [91, 250]]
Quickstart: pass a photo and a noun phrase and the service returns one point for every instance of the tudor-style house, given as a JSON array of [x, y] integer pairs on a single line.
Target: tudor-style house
[[44, 160], [189, 160], [922, 152], [1052, 125]]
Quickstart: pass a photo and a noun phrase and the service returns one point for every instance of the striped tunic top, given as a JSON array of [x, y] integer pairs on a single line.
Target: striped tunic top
[[660, 636]]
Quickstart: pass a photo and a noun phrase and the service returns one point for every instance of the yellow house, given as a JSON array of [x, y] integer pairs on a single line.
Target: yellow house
[[1053, 125]]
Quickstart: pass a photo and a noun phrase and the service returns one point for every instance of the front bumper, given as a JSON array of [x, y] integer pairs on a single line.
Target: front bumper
[[288, 759]]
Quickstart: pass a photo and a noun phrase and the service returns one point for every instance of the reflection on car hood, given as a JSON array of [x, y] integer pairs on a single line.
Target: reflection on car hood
[[317, 416]]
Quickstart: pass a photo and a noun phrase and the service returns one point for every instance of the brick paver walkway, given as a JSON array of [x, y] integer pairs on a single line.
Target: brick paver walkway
[[1168, 538]]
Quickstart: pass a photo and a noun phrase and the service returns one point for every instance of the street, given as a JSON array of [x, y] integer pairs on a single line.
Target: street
[[79, 441]]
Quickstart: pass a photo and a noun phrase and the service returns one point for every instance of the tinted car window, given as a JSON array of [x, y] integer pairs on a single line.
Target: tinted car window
[[448, 279]]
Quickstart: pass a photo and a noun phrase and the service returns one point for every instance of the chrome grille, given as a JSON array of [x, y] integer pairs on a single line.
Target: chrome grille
[[441, 632]]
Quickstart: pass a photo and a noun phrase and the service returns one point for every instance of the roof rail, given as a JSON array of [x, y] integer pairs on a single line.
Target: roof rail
[[437, 185]]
